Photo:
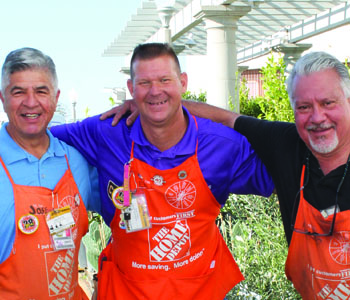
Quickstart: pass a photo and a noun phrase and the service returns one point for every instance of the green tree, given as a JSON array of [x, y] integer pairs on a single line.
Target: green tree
[[275, 105], [201, 97], [248, 107]]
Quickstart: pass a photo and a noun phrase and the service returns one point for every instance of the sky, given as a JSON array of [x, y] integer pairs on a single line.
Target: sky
[[74, 33]]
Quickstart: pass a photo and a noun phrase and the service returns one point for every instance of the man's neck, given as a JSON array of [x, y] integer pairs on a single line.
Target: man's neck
[[166, 136], [35, 146], [330, 162]]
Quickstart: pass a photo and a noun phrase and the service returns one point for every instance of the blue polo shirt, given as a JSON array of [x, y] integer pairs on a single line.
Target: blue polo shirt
[[26, 169], [227, 161]]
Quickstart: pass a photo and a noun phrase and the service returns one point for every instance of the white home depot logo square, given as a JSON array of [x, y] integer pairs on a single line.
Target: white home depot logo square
[[171, 242]]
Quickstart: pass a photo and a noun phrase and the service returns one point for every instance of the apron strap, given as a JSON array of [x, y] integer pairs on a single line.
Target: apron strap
[[7, 171]]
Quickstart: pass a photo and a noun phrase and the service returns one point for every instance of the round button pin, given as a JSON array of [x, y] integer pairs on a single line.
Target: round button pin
[[28, 224], [118, 197]]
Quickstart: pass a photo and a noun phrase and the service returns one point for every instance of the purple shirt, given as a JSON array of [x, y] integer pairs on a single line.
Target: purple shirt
[[227, 161]]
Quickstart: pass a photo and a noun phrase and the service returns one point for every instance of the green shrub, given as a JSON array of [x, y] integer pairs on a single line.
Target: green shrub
[[201, 97], [96, 239], [253, 230], [248, 107], [275, 105]]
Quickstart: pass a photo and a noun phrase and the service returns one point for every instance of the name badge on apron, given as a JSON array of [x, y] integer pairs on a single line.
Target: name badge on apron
[[136, 216], [60, 222], [133, 205]]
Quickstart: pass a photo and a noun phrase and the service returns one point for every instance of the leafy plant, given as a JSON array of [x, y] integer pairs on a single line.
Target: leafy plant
[[248, 107], [112, 101], [96, 239], [253, 230], [201, 97], [275, 105]]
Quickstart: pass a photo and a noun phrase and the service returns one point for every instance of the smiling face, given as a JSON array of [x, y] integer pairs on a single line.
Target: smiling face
[[30, 102], [157, 88], [322, 112]]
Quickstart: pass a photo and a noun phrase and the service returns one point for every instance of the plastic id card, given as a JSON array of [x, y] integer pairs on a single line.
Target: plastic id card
[[139, 215]]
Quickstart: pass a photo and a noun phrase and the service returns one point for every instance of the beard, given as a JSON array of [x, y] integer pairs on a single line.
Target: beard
[[323, 145]]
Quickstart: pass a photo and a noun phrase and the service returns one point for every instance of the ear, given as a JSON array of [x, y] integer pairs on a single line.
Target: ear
[[3, 101], [130, 87], [2, 98], [58, 95], [184, 80]]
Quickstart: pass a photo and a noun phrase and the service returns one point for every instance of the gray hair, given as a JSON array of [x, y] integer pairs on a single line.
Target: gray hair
[[315, 62], [26, 59]]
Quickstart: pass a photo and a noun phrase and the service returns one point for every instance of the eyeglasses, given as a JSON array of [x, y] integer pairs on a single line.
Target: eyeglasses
[[305, 182]]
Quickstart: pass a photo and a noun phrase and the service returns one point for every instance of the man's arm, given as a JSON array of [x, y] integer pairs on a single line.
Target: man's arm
[[207, 111], [119, 111], [85, 136], [199, 109]]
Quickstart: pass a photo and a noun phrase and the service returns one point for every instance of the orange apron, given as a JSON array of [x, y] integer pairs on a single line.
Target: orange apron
[[319, 267], [183, 255], [33, 271]]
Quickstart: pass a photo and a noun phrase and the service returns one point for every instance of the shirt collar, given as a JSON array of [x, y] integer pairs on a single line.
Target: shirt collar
[[11, 152], [186, 146]]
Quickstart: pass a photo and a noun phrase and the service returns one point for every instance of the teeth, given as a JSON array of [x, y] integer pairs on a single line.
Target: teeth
[[158, 103], [31, 115]]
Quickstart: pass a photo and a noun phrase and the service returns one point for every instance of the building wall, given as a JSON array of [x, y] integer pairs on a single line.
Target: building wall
[[253, 82]]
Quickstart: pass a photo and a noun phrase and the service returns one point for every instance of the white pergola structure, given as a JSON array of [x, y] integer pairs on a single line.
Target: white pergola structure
[[229, 32]]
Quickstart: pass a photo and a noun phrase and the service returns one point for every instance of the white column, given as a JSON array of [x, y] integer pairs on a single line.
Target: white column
[[292, 52], [221, 26], [165, 14]]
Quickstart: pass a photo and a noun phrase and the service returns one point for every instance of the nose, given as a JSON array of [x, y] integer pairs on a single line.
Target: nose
[[30, 99], [318, 115], [155, 88]]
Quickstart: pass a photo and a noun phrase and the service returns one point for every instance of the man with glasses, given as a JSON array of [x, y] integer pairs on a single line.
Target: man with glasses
[[309, 163]]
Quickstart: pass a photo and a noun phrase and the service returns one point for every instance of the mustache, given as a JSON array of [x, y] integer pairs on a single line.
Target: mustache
[[320, 127]]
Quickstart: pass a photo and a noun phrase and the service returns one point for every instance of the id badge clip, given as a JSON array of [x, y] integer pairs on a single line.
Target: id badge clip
[[136, 216], [134, 210], [60, 223], [121, 196]]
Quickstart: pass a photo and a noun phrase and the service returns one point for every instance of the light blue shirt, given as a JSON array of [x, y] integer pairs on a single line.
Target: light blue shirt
[[26, 169]]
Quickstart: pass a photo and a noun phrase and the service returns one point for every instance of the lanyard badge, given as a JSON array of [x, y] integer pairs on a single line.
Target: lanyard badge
[[134, 210], [60, 223], [121, 196], [136, 216], [126, 177]]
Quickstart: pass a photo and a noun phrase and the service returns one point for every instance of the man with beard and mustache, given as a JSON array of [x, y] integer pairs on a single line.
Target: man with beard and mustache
[[309, 163]]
